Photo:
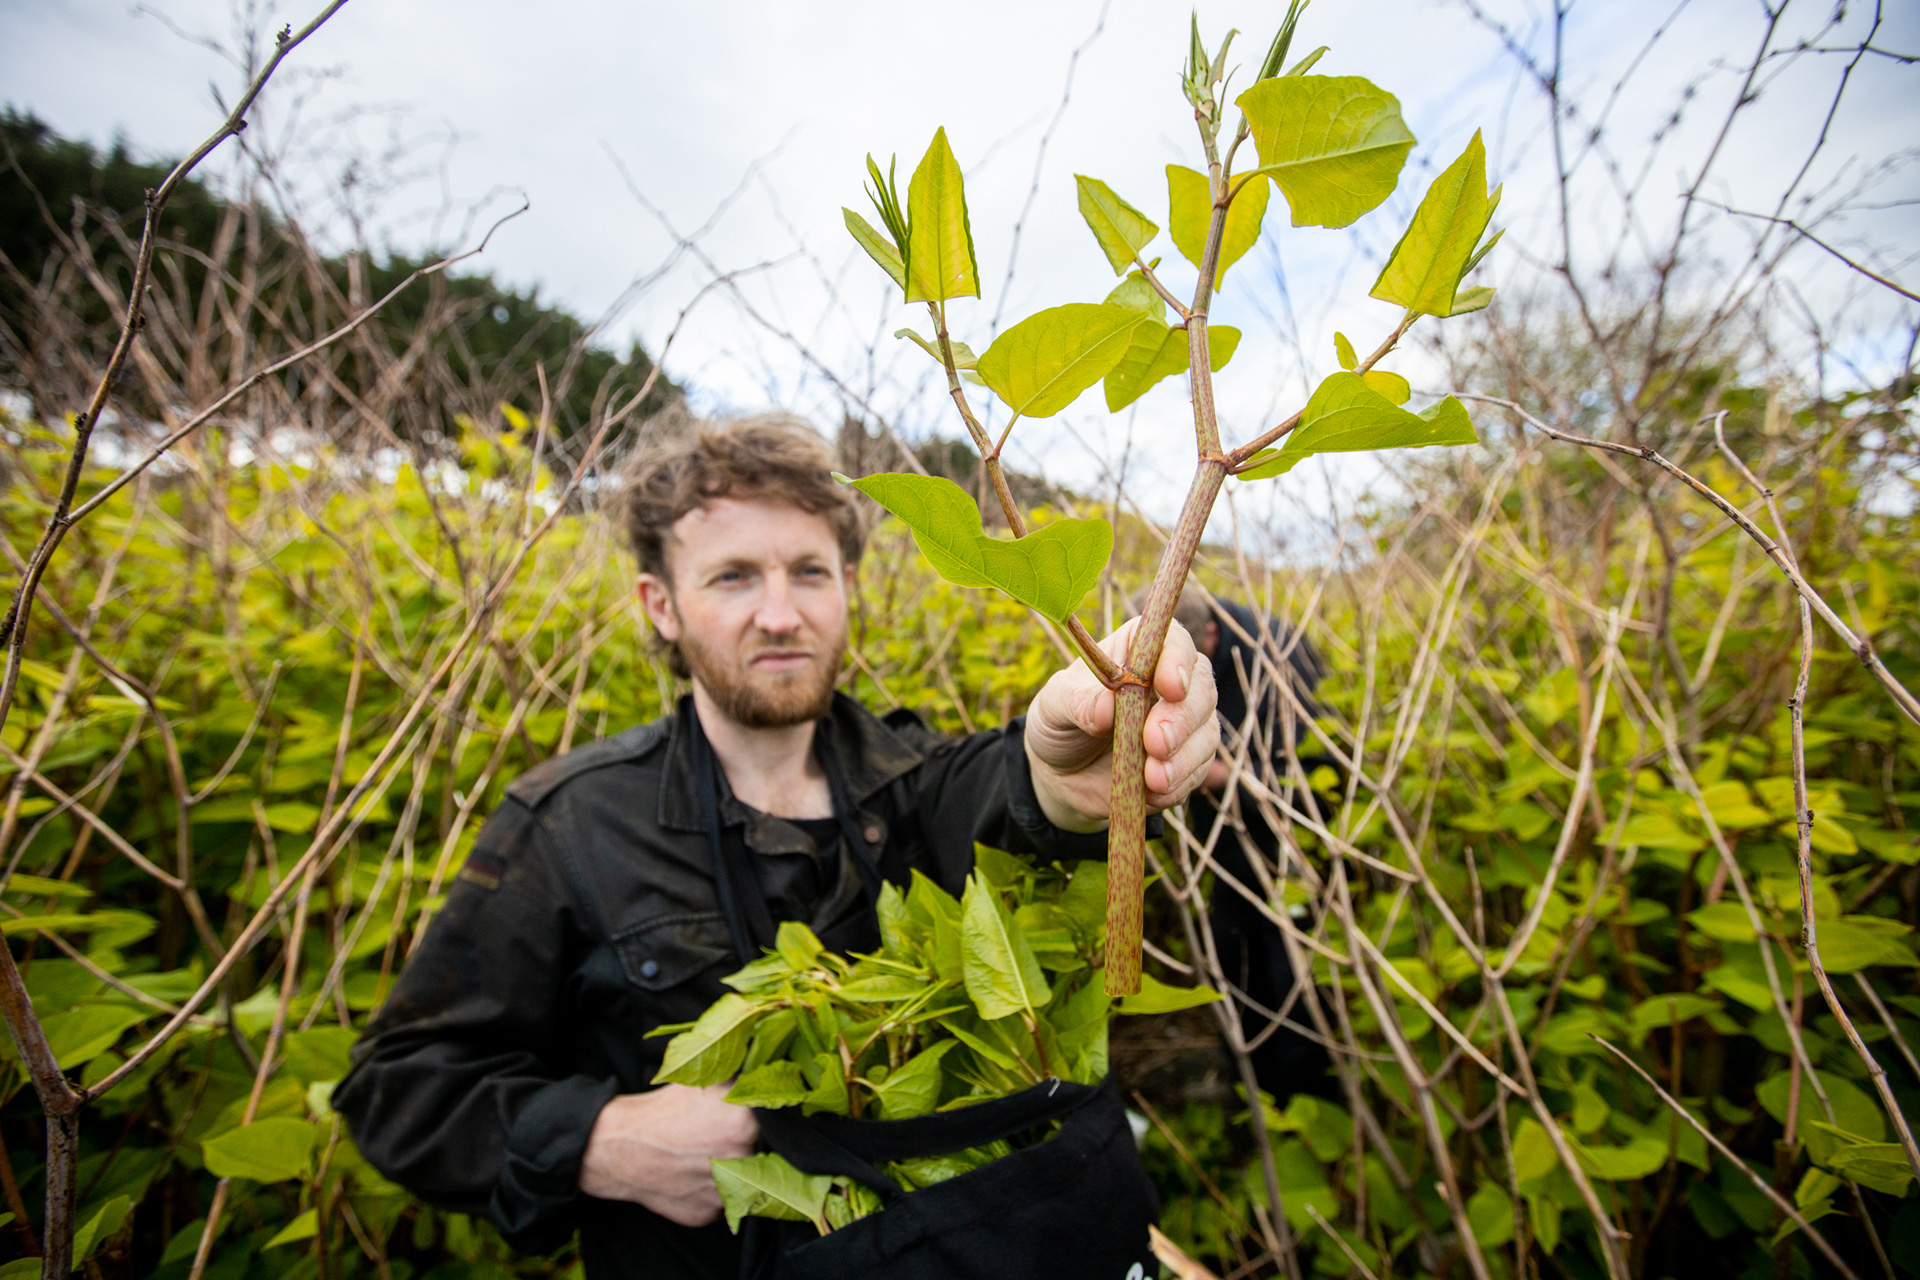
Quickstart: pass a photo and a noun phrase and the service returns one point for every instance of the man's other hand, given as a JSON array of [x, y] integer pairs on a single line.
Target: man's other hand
[[1070, 733], [652, 1149]]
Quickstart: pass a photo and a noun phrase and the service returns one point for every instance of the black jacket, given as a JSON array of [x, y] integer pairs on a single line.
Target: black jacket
[[586, 916]]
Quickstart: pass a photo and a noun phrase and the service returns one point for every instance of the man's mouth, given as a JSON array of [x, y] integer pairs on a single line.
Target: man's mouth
[[781, 659]]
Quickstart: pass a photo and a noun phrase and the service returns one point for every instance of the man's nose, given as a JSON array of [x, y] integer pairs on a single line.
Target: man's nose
[[777, 614]]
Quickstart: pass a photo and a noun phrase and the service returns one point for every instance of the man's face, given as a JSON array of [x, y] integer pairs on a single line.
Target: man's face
[[756, 598]]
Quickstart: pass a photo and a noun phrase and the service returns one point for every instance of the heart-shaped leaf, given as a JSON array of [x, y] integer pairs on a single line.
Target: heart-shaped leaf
[[1346, 415], [1333, 144], [270, 1150], [1190, 204], [1041, 365], [1160, 352], [1050, 570]]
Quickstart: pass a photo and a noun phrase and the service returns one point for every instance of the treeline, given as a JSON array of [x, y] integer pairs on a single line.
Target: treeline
[[70, 223]]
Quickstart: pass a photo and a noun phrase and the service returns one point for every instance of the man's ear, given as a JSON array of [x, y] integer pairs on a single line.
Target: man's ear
[[1211, 640], [656, 597]]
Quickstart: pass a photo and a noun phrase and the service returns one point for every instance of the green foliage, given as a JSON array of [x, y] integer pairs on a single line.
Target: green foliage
[[1051, 569], [1334, 145], [939, 257], [1349, 413], [1442, 243], [964, 1001], [1041, 365], [1190, 213], [1122, 230]]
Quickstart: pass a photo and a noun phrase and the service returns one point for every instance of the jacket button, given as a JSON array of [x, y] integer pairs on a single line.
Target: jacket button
[[650, 969], [873, 835]]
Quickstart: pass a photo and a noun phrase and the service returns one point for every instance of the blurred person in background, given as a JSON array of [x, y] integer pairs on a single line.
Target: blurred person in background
[[1246, 653]]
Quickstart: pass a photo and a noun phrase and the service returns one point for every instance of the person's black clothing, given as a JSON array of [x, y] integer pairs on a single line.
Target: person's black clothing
[[1252, 953], [587, 915]]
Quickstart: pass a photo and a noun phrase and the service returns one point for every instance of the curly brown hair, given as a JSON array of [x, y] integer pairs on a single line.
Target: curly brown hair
[[774, 458]]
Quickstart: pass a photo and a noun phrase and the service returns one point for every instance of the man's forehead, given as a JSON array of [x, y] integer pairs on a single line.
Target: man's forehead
[[749, 528]]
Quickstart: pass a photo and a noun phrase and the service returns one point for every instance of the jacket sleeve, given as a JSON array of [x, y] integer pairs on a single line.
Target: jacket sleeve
[[981, 787], [456, 1091]]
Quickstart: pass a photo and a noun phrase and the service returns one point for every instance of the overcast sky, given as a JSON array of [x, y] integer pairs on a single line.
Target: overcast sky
[[469, 106]]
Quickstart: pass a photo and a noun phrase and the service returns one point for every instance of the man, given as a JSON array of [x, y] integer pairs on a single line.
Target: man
[[509, 1074], [1245, 654]]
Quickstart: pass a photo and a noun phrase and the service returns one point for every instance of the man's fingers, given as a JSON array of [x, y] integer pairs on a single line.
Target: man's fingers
[[1173, 677], [1169, 781], [1171, 724]]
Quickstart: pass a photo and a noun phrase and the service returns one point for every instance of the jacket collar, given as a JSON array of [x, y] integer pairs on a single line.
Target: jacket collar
[[871, 754]]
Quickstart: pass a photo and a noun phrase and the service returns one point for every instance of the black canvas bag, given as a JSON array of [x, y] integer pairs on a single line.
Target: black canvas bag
[[1074, 1206]]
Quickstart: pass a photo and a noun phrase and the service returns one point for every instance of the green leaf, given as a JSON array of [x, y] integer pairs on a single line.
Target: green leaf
[[1333, 144], [1880, 1165], [1490, 1214], [1084, 900], [914, 1089], [712, 1050], [42, 887], [777, 1084], [878, 247], [1637, 1159], [1190, 213], [1854, 943], [1155, 996], [963, 357], [1080, 1023], [1159, 352], [797, 945], [900, 933], [1854, 1112], [1725, 921], [999, 1055], [1136, 294], [831, 1093], [304, 1227], [1050, 570], [1343, 351], [1478, 298], [766, 1186], [770, 1036], [1041, 365], [102, 1226], [1345, 415], [1665, 1010], [1001, 974], [1121, 229], [270, 1150], [939, 260], [1396, 389], [883, 987], [80, 1035], [1424, 270]]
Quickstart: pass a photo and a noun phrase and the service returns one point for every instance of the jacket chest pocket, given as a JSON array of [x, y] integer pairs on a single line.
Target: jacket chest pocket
[[671, 951]]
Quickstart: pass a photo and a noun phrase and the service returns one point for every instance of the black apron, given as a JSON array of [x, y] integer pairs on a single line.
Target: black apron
[[1075, 1206]]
